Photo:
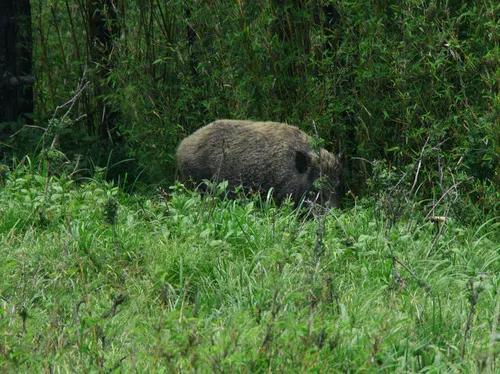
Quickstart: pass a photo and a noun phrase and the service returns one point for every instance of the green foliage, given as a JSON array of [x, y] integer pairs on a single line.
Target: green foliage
[[400, 81], [94, 279], [187, 283]]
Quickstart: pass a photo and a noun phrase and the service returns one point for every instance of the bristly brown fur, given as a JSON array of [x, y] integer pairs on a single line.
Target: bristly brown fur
[[258, 156]]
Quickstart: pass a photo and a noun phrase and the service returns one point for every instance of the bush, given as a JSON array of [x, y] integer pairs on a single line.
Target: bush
[[408, 82]]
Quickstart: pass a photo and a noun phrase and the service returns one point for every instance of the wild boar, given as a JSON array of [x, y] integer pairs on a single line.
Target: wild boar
[[259, 156]]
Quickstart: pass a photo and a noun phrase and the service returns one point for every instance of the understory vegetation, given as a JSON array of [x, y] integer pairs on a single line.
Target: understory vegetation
[[95, 279], [412, 84], [107, 264]]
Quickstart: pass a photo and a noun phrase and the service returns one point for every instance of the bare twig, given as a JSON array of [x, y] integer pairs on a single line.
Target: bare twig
[[419, 165], [82, 85], [393, 188], [363, 159], [439, 223], [420, 282], [29, 126], [431, 211]]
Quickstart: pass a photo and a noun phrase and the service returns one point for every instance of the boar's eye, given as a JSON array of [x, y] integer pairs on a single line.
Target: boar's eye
[[301, 161]]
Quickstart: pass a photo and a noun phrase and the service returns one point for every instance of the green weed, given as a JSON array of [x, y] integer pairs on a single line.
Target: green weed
[[93, 279]]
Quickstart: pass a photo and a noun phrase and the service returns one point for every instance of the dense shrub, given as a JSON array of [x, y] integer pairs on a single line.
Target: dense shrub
[[410, 82]]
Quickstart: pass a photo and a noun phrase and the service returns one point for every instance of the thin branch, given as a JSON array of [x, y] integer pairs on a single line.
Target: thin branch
[[421, 282], [419, 165], [71, 102], [431, 212]]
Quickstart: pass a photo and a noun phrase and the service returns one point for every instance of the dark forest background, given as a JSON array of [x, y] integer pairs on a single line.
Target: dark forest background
[[406, 90]]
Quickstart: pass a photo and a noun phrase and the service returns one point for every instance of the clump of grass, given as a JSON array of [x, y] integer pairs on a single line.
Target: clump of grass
[[213, 284]]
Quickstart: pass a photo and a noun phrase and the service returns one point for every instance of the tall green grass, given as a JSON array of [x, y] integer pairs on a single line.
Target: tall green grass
[[93, 279]]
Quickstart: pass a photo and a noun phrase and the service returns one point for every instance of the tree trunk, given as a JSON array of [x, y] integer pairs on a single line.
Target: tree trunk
[[16, 79]]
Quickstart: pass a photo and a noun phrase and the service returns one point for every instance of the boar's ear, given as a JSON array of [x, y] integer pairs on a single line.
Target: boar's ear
[[301, 161]]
